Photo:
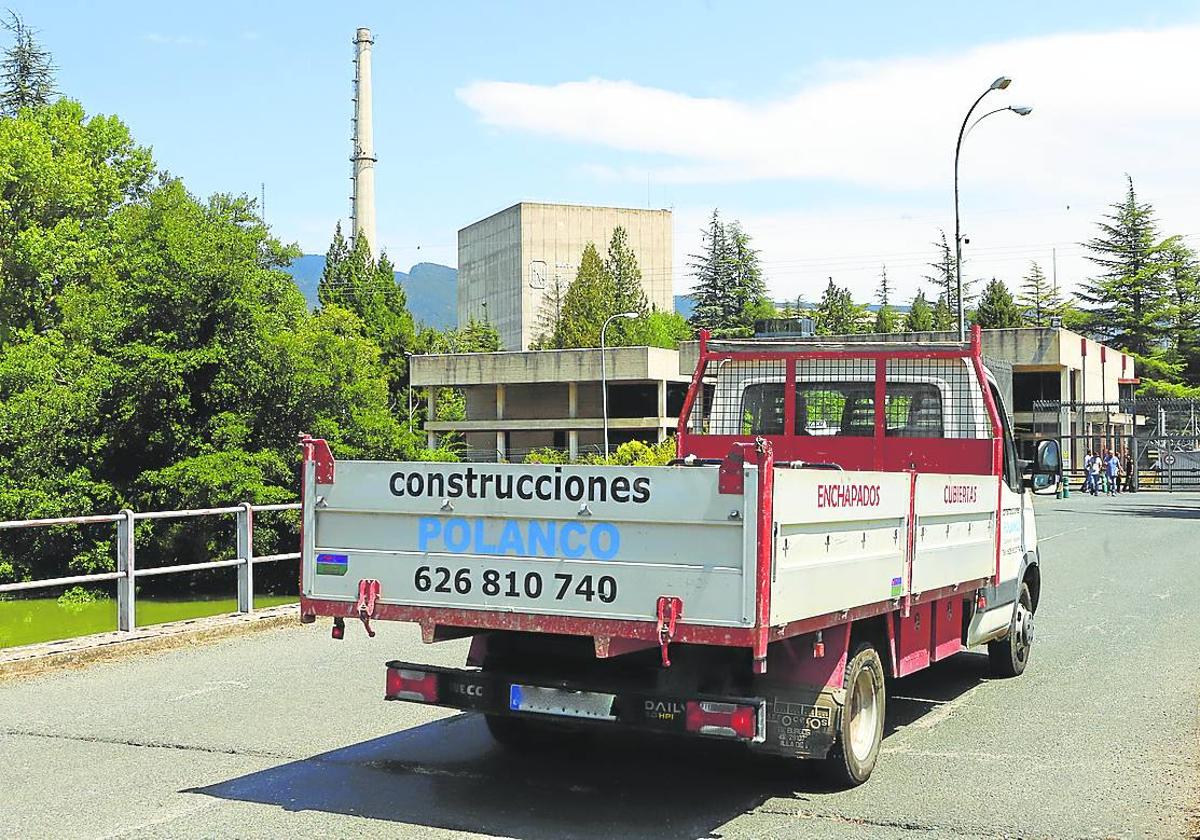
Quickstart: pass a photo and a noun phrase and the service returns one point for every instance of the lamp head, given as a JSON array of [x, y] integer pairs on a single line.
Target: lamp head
[[1022, 110], [628, 314], [1001, 83]]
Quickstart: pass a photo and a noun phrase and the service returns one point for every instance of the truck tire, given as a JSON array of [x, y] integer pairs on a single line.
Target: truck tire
[[1009, 656], [860, 729]]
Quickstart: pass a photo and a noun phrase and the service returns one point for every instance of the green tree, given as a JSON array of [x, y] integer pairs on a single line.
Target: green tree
[[588, 302], [550, 316], [714, 304], [355, 281], [1039, 298], [997, 309], [887, 320], [26, 71], [173, 364], [659, 329], [62, 176], [625, 276], [944, 316], [837, 313], [1128, 298], [1182, 272], [730, 291], [920, 315]]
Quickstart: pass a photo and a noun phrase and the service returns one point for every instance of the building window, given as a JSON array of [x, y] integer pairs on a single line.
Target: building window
[[1030, 387]]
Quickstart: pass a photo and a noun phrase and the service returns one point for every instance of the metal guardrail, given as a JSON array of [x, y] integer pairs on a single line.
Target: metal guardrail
[[127, 572]]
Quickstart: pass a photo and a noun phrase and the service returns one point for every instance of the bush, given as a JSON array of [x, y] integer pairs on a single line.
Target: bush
[[547, 455]]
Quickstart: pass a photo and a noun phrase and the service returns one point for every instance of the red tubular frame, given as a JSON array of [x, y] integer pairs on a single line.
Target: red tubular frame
[[970, 456]]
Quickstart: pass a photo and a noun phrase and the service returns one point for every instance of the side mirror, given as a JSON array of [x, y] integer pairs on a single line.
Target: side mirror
[[1046, 468], [1049, 458]]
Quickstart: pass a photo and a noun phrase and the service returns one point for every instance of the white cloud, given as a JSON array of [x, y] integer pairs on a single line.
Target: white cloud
[[1111, 101], [1104, 104]]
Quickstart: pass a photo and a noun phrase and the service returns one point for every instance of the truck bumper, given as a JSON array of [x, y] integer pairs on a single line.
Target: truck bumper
[[728, 718]]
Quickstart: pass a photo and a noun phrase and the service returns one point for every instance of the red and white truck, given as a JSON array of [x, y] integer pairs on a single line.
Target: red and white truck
[[838, 514]]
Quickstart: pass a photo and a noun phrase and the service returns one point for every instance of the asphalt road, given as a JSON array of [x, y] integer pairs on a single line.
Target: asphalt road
[[284, 733]]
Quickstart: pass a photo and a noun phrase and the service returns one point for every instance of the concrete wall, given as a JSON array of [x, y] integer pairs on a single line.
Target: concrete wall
[[489, 271], [511, 258]]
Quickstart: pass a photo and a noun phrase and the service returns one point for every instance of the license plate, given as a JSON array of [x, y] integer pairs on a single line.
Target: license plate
[[562, 702]]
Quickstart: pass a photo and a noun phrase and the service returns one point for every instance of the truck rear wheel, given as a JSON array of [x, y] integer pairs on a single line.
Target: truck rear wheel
[[860, 730], [1009, 656]]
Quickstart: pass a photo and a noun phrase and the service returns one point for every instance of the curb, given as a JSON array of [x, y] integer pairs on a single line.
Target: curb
[[31, 660]]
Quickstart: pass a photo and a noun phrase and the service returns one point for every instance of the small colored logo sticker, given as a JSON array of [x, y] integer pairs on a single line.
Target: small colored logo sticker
[[897, 587], [333, 564]]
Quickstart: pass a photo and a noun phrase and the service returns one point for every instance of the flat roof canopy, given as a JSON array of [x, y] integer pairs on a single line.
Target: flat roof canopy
[[532, 367]]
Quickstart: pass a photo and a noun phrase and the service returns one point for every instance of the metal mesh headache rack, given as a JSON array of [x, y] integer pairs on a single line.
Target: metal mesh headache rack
[[857, 400]]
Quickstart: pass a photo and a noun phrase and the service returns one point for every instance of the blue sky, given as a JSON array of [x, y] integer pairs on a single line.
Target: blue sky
[[828, 132]]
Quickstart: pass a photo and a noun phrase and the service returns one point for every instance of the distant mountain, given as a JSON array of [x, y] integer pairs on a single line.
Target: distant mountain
[[431, 288]]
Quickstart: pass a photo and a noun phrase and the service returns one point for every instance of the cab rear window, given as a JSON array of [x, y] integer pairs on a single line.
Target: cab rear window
[[844, 409]]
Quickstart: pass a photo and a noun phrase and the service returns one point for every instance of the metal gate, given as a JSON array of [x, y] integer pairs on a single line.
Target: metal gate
[[1161, 437]]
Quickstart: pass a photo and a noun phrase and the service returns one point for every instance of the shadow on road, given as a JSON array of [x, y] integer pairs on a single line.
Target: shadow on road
[[1161, 511], [451, 775]]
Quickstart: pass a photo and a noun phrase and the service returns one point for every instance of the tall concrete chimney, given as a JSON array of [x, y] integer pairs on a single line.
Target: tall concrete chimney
[[362, 203]]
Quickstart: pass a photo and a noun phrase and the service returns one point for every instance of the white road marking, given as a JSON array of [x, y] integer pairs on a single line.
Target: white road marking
[[942, 712], [1062, 534], [209, 688]]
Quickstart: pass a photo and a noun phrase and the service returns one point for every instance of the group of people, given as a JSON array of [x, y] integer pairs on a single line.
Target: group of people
[[1104, 471]]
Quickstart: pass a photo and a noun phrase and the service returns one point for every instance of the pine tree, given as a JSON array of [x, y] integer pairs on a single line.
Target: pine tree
[[886, 319], [1183, 279], [550, 316], [731, 292], [1038, 298], [837, 313], [944, 276], [944, 316], [710, 269], [26, 71], [920, 316], [1128, 298], [748, 288], [588, 302], [354, 281], [626, 277], [997, 309]]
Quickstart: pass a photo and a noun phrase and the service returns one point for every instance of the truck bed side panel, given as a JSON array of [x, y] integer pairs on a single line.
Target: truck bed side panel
[[841, 539], [956, 529]]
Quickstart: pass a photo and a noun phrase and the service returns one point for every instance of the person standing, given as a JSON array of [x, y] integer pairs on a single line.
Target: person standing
[[1091, 472], [1127, 469], [1112, 467]]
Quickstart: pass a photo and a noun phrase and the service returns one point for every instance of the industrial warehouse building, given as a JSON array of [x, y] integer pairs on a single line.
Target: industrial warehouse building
[[507, 261], [517, 401]]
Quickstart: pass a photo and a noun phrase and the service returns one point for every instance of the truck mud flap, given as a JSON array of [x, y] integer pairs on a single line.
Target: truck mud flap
[[575, 703], [802, 725]]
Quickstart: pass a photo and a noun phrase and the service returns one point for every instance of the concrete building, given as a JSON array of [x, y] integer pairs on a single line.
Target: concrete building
[[518, 401], [508, 260]]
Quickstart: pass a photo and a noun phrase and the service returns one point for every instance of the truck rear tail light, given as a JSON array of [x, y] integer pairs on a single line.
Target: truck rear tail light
[[403, 684], [727, 719]]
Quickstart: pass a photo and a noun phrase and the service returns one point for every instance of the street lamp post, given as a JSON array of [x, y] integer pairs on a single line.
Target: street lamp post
[[604, 371], [1000, 84]]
